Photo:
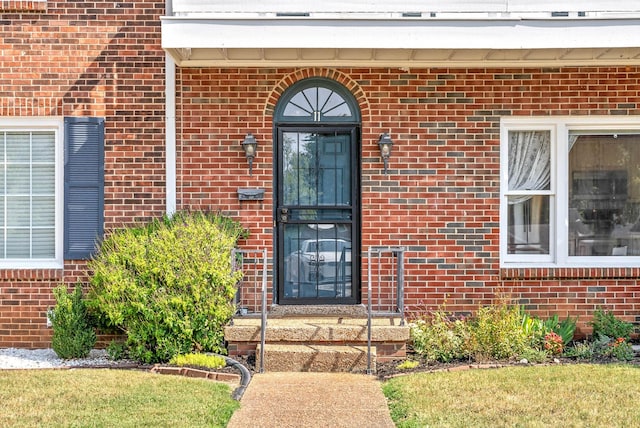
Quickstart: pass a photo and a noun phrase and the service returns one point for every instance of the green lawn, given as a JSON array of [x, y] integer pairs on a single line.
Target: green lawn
[[561, 396], [111, 398]]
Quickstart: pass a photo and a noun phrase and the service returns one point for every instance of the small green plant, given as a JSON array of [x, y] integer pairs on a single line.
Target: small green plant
[[619, 349], [610, 339], [199, 360], [497, 333], [602, 347], [566, 329], [534, 355], [117, 350], [605, 323], [534, 329], [73, 336], [408, 365], [440, 337], [583, 351], [553, 343]]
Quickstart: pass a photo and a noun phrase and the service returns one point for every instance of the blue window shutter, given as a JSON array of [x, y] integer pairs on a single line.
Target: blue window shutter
[[83, 186]]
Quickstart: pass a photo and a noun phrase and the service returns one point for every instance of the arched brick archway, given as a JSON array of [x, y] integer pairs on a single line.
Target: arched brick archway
[[328, 73]]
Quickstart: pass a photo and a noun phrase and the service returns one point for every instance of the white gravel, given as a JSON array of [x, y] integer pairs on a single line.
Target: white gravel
[[13, 358]]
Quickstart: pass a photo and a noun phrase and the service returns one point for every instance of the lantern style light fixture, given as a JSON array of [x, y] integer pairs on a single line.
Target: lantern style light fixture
[[385, 143], [249, 146]]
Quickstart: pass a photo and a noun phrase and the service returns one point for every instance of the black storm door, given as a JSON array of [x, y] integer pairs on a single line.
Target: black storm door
[[317, 215]]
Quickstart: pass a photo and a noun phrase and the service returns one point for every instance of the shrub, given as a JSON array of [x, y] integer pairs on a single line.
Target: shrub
[[606, 324], [534, 355], [565, 328], [534, 330], [199, 360], [497, 333], [602, 347], [168, 285], [618, 349], [73, 336], [581, 351], [408, 365], [440, 337], [117, 350]]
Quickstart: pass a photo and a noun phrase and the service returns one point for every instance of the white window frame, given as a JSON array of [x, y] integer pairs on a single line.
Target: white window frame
[[560, 128], [55, 125]]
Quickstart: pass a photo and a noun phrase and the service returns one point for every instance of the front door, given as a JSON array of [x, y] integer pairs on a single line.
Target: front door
[[317, 214]]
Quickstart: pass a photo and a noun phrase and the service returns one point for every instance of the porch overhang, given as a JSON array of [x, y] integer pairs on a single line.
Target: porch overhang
[[254, 41]]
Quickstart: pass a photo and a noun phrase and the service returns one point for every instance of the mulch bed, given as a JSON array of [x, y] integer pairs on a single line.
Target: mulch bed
[[390, 369], [384, 371]]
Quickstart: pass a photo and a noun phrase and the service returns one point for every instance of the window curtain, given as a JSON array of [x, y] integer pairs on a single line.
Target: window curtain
[[529, 162], [529, 169]]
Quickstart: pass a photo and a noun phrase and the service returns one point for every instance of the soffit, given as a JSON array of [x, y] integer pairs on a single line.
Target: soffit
[[216, 41]]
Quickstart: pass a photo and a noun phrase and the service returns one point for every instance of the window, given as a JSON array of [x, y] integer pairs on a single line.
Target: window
[[30, 191], [317, 100], [42, 164], [570, 191]]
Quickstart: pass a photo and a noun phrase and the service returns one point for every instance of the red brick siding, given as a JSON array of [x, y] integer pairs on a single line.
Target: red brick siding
[[441, 197], [85, 59]]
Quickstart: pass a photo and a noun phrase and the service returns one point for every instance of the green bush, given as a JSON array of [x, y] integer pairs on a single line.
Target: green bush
[[606, 324], [73, 336], [565, 328], [497, 333], [581, 351], [618, 349], [534, 355], [168, 285], [117, 350], [440, 337], [500, 331], [602, 347], [534, 330], [199, 360]]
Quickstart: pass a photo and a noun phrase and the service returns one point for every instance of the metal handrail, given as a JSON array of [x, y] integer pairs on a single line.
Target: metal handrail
[[397, 252], [397, 291], [263, 305]]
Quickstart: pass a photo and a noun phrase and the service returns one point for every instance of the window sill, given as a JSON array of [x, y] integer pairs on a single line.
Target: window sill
[[603, 272], [7, 6]]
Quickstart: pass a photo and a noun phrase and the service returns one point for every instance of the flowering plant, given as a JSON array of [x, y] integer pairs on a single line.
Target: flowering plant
[[619, 349], [553, 343]]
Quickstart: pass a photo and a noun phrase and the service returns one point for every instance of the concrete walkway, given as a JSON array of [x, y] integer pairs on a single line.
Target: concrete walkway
[[311, 400]]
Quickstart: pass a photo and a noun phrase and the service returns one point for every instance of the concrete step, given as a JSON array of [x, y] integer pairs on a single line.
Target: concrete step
[[315, 358], [317, 329], [387, 335]]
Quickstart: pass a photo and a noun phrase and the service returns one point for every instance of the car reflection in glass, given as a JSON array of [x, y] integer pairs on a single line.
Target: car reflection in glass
[[319, 260]]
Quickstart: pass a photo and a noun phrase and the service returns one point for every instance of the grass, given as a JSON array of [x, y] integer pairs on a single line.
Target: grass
[[109, 398], [569, 396]]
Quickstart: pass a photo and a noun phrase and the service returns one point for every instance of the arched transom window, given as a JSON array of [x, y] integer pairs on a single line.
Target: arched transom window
[[317, 100]]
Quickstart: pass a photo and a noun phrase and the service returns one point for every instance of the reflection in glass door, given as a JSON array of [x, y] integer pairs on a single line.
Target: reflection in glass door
[[315, 215]]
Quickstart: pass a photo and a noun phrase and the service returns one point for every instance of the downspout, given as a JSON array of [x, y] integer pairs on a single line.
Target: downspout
[[170, 124]]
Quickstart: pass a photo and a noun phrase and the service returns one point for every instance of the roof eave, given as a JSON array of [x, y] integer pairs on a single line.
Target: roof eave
[[199, 41]]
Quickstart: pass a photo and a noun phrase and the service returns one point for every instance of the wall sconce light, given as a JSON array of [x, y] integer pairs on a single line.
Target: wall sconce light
[[249, 146], [385, 143]]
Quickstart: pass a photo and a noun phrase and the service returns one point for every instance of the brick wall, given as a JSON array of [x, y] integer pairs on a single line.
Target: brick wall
[[441, 197], [100, 59]]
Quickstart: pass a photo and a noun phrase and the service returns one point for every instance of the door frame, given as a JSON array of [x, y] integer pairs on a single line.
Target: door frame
[[356, 214]]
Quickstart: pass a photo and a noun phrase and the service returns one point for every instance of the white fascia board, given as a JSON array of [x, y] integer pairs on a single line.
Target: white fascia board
[[385, 6], [309, 33]]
